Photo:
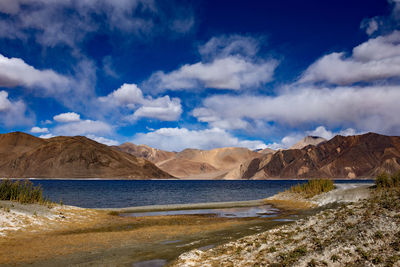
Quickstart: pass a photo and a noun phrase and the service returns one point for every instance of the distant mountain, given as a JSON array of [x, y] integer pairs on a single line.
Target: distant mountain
[[341, 157], [266, 151], [194, 163], [211, 164], [23, 155], [152, 154], [308, 140]]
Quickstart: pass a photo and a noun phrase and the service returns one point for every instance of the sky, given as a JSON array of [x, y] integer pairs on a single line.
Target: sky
[[200, 74]]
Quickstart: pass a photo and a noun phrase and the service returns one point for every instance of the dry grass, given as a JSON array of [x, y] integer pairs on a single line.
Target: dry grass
[[23, 192], [289, 204], [313, 187], [384, 180]]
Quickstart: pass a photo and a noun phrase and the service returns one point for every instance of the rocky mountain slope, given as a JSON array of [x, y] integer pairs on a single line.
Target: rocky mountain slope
[[212, 164], [308, 140], [152, 154], [194, 163], [341, 157], [23, 155]]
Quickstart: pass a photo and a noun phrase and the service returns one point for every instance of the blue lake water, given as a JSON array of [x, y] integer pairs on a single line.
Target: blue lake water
[[130, 193]]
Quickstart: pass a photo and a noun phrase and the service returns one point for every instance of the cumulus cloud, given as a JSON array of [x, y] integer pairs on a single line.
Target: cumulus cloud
[[103, 140], [371, 108], [127, 94], [376, 59], [39, 130], [13, 113], [46, 136], [130, 96], [162, 108], [15, 72], [228, 63], [83, 127], [67, 117], [177, 139]]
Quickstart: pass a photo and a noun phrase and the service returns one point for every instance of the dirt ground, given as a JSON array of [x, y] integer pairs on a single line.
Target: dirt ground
[[65, 236]]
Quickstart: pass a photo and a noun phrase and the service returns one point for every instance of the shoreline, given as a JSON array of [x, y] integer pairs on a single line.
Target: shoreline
[[364, 232], [109, 238], [189, 179], [188, 206], [323, 199]]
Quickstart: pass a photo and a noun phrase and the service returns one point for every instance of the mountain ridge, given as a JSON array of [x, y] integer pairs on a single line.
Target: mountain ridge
[[358, 156], [69, 157]]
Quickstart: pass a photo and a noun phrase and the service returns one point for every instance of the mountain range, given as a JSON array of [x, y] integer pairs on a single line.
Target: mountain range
[[360, 156], [23, 155]]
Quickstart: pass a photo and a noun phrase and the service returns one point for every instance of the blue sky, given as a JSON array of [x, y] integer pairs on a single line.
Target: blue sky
[[199, 74]]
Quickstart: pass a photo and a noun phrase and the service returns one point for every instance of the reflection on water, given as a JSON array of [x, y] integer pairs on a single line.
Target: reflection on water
[[264, 211]]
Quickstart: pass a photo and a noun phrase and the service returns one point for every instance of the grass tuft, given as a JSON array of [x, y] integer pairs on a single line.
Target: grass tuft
[[313, 187], [383, 180], [22, 192]]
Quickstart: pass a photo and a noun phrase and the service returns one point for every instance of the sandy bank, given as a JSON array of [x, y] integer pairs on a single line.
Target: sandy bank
[[15, 216], [362, 233], [209, 205], [343, 193]]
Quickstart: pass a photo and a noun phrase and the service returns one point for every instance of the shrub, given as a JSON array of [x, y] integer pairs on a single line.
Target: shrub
[[313, 187], [23, 192], [383, 180]]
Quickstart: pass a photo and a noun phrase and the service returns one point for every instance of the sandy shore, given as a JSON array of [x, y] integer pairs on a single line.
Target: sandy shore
[[362, 231], [38, 235]]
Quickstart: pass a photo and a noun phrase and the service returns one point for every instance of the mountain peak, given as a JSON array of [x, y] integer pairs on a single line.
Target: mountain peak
[[308, 140]]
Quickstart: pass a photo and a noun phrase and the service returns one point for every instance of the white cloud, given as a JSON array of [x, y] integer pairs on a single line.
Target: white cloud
[[127, 94], [46, 136], [83, 127], [13, 113], [228, 63], [232, 72], [371, 108], [67, 117], [5, 103], [130, 96], [39, 130], [225, 46], [177, 139], [376, 59], [320, 131], [103, 140], [162, 108], [286, 141], [15, 72], [370, 25]]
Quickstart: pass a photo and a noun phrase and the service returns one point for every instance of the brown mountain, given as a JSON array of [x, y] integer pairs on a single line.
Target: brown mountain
[[207, 164], [341, 157], [194, 163], [152, 154], [308, 140], [23, 155]]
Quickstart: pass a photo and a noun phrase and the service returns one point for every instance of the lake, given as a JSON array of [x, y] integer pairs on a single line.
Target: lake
[[130, 193]]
